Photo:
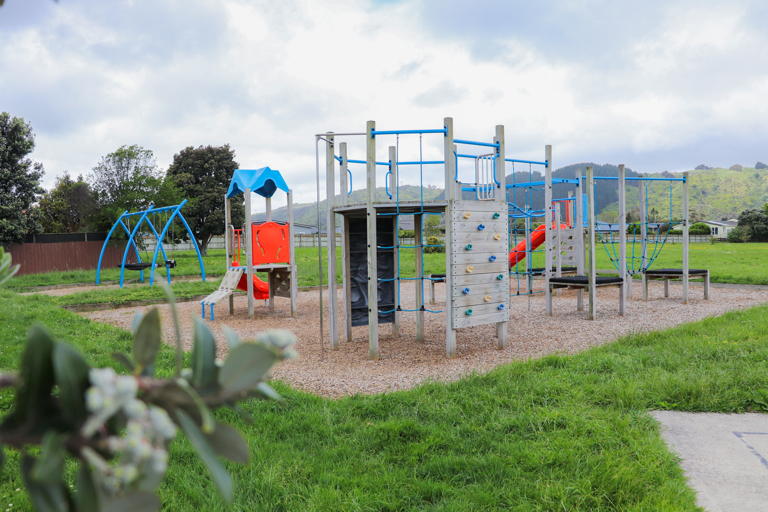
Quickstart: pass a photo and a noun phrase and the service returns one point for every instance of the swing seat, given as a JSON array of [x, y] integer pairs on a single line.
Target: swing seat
[[170, 263], [137, 266]]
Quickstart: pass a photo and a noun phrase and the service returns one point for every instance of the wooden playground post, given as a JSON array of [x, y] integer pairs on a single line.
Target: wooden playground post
[[248, 249], [330, 229], [227, 222], [643, 237], [450, 196], [292, 249], [418, 238], [685, 237], [627, 288], [548, 245], [373, 282], [580, 261], [591, 236], [500, 175]]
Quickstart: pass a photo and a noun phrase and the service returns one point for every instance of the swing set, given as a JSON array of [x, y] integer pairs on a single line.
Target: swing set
[[166, 215]]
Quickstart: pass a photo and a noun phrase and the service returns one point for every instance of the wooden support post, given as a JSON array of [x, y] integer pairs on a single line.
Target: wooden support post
[[330, 229], [686, 222], [591, 237], [706, 285], [549, 249], [346, 300], [248, 228], [373, 268], [643, 237], [500, 196], [579, 225], [292, 256], [418, 238], [227, 242], [622, 240], [450, 196]]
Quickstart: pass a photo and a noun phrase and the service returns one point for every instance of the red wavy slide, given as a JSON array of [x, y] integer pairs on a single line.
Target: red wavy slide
[[260, 288], [538, 236]]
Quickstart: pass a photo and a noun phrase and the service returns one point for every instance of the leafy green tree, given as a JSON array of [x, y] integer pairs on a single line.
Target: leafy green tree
[[699, 228], [19, 181], [756, 223], [202, 175], [67, 207], [761, 165], [128, 179]]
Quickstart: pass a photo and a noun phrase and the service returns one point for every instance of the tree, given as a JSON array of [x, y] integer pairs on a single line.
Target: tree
[[761, 165], [128, 179], [699, 228], [19, 181], [755, 222], [735, 167], [202, 175], [67, 207]]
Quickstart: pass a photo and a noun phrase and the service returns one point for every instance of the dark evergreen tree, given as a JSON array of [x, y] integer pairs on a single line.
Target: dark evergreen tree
[[19, 181], [67, 207], [202, 175]]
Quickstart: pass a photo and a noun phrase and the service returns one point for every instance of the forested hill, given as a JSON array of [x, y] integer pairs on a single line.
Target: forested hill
[[714, 194]]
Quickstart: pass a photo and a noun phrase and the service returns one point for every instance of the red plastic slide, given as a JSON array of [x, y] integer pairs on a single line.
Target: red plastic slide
[[260, 288], [538, 236]]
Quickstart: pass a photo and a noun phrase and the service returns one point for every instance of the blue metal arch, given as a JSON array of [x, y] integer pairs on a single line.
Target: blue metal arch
[[177, 213], [130, 242]]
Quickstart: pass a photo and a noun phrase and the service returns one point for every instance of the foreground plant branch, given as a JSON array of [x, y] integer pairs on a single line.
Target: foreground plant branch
[[118, 427]]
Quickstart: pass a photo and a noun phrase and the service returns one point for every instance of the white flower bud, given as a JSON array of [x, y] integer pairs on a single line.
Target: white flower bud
[[102, 377], [135, 409], [94, 399], [161, 423]]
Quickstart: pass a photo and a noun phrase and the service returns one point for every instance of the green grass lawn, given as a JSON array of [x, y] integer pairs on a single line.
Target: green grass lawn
[[559, 433]]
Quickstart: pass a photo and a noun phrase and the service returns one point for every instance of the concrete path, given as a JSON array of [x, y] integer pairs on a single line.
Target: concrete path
[[724, 456]]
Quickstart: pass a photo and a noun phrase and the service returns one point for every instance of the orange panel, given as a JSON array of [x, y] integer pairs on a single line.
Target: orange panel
[[270, 243]]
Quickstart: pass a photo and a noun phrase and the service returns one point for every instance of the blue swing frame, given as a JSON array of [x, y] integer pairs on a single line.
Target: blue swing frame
[[143, 216]]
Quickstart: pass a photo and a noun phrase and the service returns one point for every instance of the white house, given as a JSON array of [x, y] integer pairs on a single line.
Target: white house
[[720, 228]]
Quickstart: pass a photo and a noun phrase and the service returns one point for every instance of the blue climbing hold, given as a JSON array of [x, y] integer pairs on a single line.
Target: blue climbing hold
[[465, 290], [492, 258], [481, 227], [501, 306]]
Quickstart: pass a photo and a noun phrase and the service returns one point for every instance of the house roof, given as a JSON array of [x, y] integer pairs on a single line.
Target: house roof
[[264, 181], [726, 223]]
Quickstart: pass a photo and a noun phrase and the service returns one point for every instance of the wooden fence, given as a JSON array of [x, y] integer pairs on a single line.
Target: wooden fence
[[66, 251]]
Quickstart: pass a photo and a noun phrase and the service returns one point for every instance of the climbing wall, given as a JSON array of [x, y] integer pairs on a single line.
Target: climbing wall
[[564, 247], [479, 259]]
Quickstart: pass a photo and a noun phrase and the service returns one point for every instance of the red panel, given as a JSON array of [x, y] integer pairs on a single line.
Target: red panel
[[271, 243]]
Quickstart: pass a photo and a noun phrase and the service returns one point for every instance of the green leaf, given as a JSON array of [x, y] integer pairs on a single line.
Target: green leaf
[[36, 374], [246, 366], [205, 414], [71, 374], [2, 459], [44, 497], [87, 497], [49, 466], [203, 357], [125, 360], [146, 342], [218, 473], [177, 327], [136, 322], [233, 340], [138, 501], [227, 442]]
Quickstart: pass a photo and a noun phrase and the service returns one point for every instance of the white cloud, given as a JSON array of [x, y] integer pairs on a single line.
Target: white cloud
[[658, 85]]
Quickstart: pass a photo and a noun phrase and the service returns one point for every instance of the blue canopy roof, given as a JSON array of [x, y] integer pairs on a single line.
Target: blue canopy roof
[[264, 182]]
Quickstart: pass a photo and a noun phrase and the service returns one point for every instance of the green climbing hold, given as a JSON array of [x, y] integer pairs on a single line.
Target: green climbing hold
[[468, 312], [500, 277], [496, 215], [468, 247]]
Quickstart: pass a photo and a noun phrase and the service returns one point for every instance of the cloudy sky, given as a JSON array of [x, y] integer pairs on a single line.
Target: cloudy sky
[[655, 84]]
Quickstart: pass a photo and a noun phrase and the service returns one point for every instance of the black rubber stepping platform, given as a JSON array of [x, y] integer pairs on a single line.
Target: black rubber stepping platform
[[540, 270], [584, 280], [675, 272]]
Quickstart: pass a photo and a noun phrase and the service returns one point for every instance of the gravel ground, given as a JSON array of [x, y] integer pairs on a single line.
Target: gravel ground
[[405, 363]]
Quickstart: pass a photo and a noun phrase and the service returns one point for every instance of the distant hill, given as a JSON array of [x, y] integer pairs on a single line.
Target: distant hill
[[714, 193]]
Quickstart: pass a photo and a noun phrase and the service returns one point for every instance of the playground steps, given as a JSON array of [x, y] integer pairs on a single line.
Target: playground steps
[[227, 287]]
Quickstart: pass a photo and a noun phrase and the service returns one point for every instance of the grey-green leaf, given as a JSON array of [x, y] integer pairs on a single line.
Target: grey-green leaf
[[233, 340], [203, 357], [36, 374], [146, 341], [227, 442], [49, 466], [71, 373], [267, 390], [44, 497], [137, 318], [87, 497], [138, 501], [218, 473], [2, 459], [246, 366]]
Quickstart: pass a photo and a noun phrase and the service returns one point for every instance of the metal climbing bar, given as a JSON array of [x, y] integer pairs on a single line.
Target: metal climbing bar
[[374, 133], [476, 143], [534, 162]]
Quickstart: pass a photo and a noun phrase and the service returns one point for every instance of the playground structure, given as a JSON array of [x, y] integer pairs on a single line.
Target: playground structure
[[266, 246], [476, 238], [145, 217]]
